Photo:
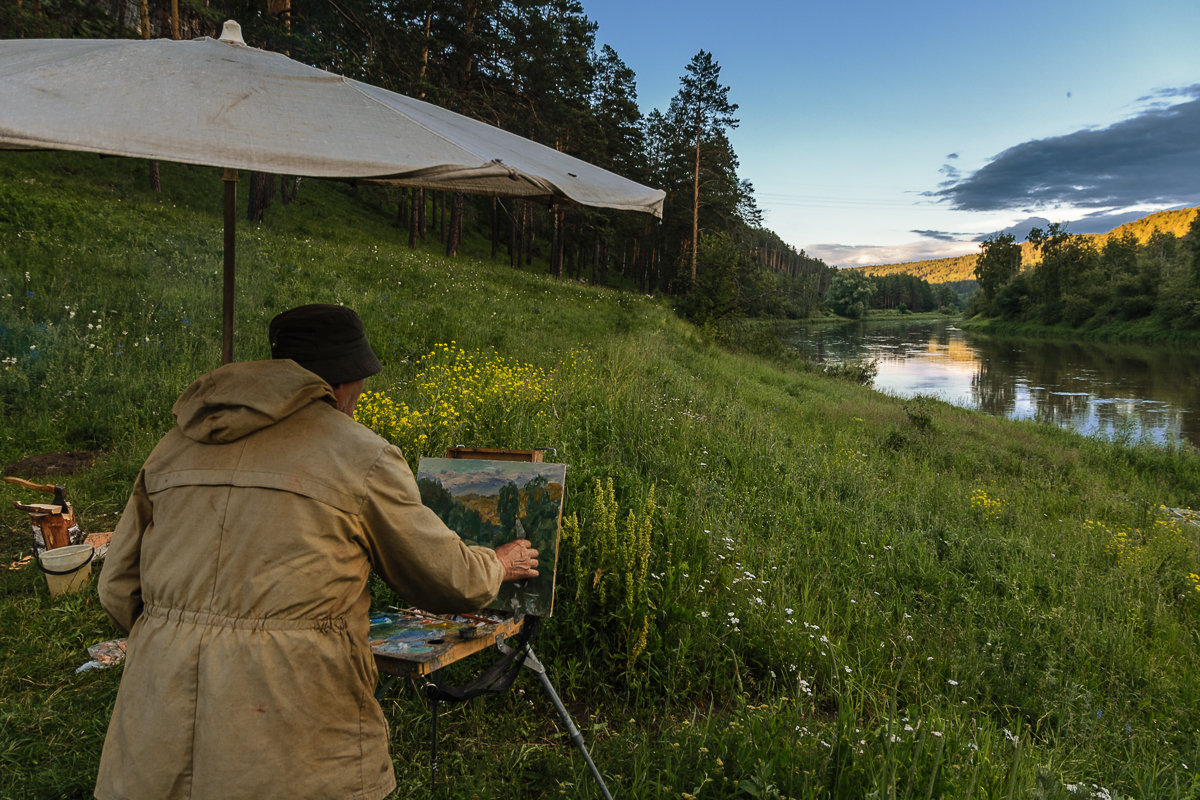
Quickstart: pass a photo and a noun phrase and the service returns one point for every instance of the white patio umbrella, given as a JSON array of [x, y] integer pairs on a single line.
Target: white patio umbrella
[[219, 102]]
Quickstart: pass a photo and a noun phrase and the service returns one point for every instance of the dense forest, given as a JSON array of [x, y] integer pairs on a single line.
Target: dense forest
[[853, 292], [952, 269], [1088, 281], [533, 67], [960, 270]]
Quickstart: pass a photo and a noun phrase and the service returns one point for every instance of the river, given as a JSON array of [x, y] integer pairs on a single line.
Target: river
[[1125, 392]]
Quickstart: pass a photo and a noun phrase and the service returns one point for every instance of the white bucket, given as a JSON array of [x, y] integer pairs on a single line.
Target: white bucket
[[67, 568]]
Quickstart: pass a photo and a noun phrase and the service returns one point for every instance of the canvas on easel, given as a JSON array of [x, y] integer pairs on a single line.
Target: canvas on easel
[[490, 502]]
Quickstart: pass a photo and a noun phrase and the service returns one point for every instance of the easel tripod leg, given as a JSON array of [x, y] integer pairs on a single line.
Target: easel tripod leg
[[433, 742], [576, 737]]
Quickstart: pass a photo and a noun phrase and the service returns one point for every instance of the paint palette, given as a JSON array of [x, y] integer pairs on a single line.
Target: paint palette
[[412, 642]]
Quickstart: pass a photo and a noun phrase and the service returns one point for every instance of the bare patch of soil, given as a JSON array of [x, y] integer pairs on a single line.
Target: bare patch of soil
[[67, 463]]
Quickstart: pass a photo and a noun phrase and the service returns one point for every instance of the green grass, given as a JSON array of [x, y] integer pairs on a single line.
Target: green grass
[[843, 595]]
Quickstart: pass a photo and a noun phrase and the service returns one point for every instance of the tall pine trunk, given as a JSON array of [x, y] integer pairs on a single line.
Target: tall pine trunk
[[696, 208], [154, 173], [456, 218], [556, 266], [595, 257], [527, 228], [495, 226], [413, 199], [280, 9], [289, 189], [441, 216], [638, 267], [425, 51], [515, 236], [262, 187]]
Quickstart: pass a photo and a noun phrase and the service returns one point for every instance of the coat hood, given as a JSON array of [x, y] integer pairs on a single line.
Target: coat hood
[[238, 399]]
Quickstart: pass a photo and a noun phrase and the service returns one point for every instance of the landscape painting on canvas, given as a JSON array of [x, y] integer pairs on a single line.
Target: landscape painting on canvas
[[493, 502]]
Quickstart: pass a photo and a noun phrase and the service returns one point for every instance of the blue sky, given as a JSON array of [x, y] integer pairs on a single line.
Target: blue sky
[[883, 132]]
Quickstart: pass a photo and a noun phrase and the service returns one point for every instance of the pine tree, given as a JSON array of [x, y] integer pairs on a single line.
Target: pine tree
[[703, 110], [620, 140], [998, 263]]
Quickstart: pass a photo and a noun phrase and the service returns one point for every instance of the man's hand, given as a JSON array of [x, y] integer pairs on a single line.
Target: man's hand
[[519, 559]]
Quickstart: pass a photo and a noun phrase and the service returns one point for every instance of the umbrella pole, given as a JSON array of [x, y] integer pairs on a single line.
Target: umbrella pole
[[230, 179]]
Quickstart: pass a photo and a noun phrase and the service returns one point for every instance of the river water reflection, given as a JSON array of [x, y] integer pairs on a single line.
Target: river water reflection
[[1110, 390]]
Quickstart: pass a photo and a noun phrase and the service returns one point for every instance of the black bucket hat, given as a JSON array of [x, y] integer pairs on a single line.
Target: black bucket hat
[[326, 339]]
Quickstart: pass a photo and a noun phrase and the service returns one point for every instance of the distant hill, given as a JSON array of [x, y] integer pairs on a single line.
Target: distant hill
[[962, 268]]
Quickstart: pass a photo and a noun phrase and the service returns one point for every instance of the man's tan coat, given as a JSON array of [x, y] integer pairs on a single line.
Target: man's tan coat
[[240, 569]]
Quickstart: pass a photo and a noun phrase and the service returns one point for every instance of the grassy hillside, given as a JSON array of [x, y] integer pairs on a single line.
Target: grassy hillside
[[772, 583], [962, 268], [938, 270]]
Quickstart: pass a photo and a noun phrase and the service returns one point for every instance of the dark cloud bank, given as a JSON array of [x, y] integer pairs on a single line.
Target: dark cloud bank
[[941, 236], [1151, 159]]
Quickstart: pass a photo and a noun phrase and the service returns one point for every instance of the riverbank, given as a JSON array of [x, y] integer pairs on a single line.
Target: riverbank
[[1120, 391], [879, 315], [844, 594], [1143, 331], [769, 337]]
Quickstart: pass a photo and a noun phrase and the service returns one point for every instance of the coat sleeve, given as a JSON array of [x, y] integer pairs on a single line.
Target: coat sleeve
[[120, 585], [415, 553]]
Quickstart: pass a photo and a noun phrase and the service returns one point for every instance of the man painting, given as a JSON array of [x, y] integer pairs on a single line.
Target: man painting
[[239, 569]]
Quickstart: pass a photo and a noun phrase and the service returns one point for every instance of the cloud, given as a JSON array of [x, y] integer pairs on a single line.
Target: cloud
[[1151, 159], [1096, 222], [1165, 98], [952, 174], [1103, 222], [945, 244], [1020, 230], [941, 236], [845, 255]]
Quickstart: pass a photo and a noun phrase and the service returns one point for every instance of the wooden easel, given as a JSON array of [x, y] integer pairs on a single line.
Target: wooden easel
[[446, 649], [487, 454]]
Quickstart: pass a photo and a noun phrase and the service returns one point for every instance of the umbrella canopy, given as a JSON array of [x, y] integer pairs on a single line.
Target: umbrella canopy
[[219, 102]]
